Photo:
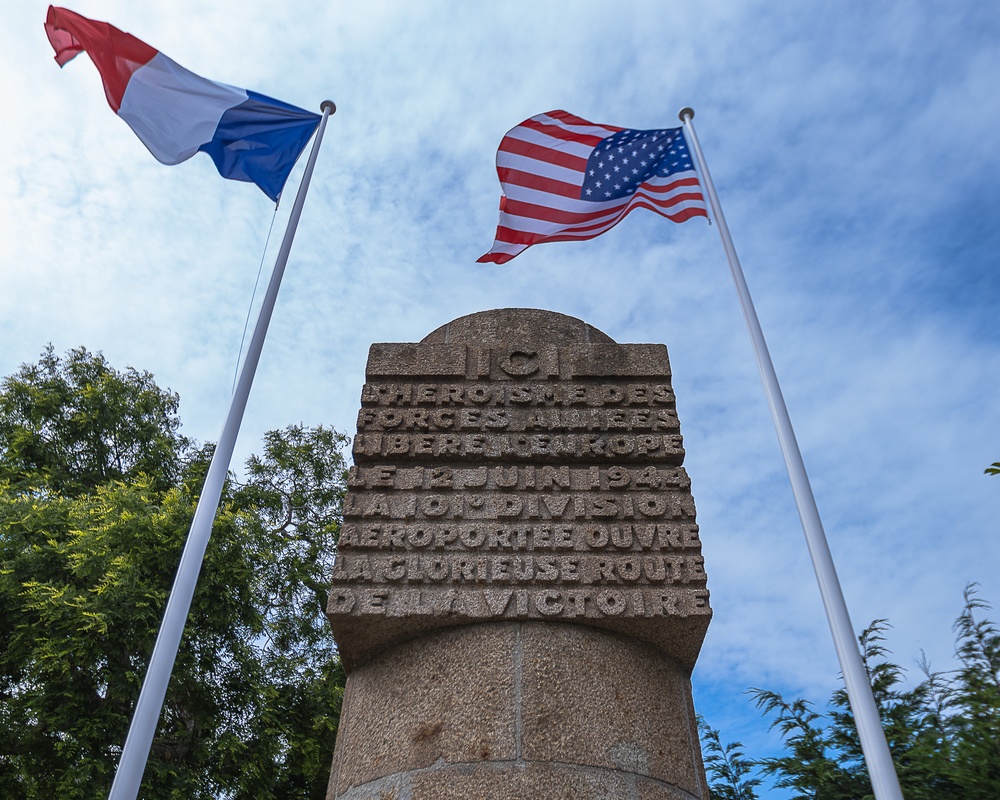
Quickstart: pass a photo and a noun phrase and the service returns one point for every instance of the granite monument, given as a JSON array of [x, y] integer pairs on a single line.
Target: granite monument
[[519, 594]]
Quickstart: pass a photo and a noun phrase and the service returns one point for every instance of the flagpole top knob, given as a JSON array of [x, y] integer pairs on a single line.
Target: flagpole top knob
[[328, 104], [686, 113]]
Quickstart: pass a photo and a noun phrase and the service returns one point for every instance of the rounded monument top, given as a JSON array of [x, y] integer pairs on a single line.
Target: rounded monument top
[[517, 325]]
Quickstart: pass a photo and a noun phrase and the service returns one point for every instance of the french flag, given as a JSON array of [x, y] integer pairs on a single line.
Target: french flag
[[176, 113]]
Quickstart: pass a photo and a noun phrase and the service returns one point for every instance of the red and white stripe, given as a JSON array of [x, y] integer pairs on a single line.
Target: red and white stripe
[[541, 165]]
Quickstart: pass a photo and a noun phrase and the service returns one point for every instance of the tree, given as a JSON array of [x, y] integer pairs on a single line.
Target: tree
[[97, 491], [974, 699], [944, 735], [78, 423], [730, 772], [294, 498]]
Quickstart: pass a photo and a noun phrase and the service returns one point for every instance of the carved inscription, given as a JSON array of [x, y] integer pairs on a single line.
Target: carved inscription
[[525, 481], [534, 421]]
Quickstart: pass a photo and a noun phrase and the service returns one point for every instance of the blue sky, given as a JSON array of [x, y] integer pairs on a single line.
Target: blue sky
[[855, 152]]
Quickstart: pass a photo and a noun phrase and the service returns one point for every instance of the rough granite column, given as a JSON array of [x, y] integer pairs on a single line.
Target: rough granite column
[[519, 594]]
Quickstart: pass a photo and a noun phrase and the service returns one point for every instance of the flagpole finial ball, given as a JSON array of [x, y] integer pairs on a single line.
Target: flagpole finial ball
[[328, 104], [686, 113]]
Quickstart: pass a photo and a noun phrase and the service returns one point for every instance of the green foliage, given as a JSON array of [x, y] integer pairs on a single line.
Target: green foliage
[[730, 772], [993, 469], [96, 497], [974, 699], [944, 735], [78, 423]]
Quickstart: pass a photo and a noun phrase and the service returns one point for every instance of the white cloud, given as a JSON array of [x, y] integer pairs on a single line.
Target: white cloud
[[854, 149]]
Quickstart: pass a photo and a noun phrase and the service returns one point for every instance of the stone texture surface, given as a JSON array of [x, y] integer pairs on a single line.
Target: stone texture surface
[[527, 782], [519, 595], [518, 710], [603, 700], [518, 465], [448, 696], [651, 790], [517, 324]]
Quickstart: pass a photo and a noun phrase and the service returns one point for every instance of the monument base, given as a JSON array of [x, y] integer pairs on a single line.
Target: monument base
[[518, 711]]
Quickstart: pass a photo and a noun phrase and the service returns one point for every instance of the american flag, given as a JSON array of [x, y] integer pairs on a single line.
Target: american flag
[[564, 178]]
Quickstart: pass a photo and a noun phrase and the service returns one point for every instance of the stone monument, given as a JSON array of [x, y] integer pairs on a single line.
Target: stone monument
[[519, 594]]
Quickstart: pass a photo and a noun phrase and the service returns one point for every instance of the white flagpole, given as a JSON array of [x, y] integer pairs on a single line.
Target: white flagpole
[[882, 771], [154, 688]]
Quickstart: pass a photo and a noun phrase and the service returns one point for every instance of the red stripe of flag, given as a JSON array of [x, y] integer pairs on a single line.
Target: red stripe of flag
[[669, 187], [572, 119], [519, 208], [531, 181], [540, 152], [556, 132]]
